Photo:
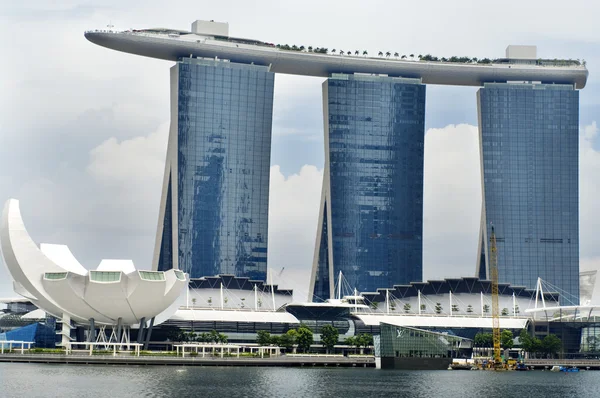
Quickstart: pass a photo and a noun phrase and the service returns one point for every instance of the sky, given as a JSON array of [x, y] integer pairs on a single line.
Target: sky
[[83, 129]]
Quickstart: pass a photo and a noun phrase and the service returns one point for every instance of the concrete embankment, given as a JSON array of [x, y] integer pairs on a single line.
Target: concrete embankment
[[285, 361]]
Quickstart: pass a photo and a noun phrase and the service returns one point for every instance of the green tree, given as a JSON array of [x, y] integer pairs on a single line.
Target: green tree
[[172, 332], [526, 341], [287, 340], [276, 341], [536, 345], [407, 308], [263, 338], [213, 336], [423, 308], [222, 338], [438, 308], [469, 309], [363, 340], [506, 339], [551, 344], [365, 53], [353, 341], [592, 343], [483, 340], [455, 308], [304, 338], [194, 302], [204, 337], [329, 337], [504, 311], [486, 309]]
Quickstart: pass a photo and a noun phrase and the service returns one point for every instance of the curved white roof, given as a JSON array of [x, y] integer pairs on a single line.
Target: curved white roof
[[125, 266], [442, 321], [173, 47], [61, 255], [233, 316], [55, 281]]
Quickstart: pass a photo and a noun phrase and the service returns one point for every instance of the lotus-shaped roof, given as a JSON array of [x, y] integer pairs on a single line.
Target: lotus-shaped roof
[[52, 278]]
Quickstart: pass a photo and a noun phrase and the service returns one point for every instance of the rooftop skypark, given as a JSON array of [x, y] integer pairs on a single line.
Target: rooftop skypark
[[211, 40]]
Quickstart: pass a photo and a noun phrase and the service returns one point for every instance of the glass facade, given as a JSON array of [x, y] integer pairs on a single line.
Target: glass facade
[[372, 218], [55, 275], [407, 342], [218, 182], [152, 276], [529, 156], [105, 276]]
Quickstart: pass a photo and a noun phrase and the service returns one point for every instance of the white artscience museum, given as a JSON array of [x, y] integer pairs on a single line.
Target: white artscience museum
[[115, 294]]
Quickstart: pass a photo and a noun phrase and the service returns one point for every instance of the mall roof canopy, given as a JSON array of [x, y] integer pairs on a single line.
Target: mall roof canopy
[[442, 321]]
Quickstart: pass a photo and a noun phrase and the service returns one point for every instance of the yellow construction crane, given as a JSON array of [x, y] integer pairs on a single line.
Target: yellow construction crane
[[495, 307]]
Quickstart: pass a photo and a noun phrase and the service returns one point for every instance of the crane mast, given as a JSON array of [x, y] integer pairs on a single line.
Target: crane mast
[[495, 306]]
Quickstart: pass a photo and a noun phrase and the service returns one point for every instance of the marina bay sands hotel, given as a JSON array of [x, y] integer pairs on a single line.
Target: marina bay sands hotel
[[214, 207]]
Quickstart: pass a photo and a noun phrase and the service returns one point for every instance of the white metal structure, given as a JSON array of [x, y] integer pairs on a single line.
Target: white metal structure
[[52, 279], [10, 344], [90, 346]]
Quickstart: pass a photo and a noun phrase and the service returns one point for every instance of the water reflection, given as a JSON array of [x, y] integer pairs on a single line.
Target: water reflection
[[35, 380]]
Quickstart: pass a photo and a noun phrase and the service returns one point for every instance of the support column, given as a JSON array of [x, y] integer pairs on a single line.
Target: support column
[[140, 336], [92, 333], [149, 333]]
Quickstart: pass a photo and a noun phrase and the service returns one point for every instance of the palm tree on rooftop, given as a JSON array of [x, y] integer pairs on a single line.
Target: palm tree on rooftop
[[310, 48], [333, 51], [396, 55], [365, 53], [349, 52], [356, 52], [387, 54], [403, 56], [380, 54], [341, 52]]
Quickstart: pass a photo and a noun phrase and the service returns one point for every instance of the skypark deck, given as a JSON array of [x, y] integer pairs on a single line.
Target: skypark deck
[[174, 44]]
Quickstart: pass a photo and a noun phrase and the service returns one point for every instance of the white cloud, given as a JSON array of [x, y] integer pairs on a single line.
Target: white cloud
[[293, 213], [452, 201], [589, 192], [130, 162]]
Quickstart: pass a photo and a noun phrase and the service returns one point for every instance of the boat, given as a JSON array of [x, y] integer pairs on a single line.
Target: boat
[[521, 367], [569, 370], [461, 366]]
